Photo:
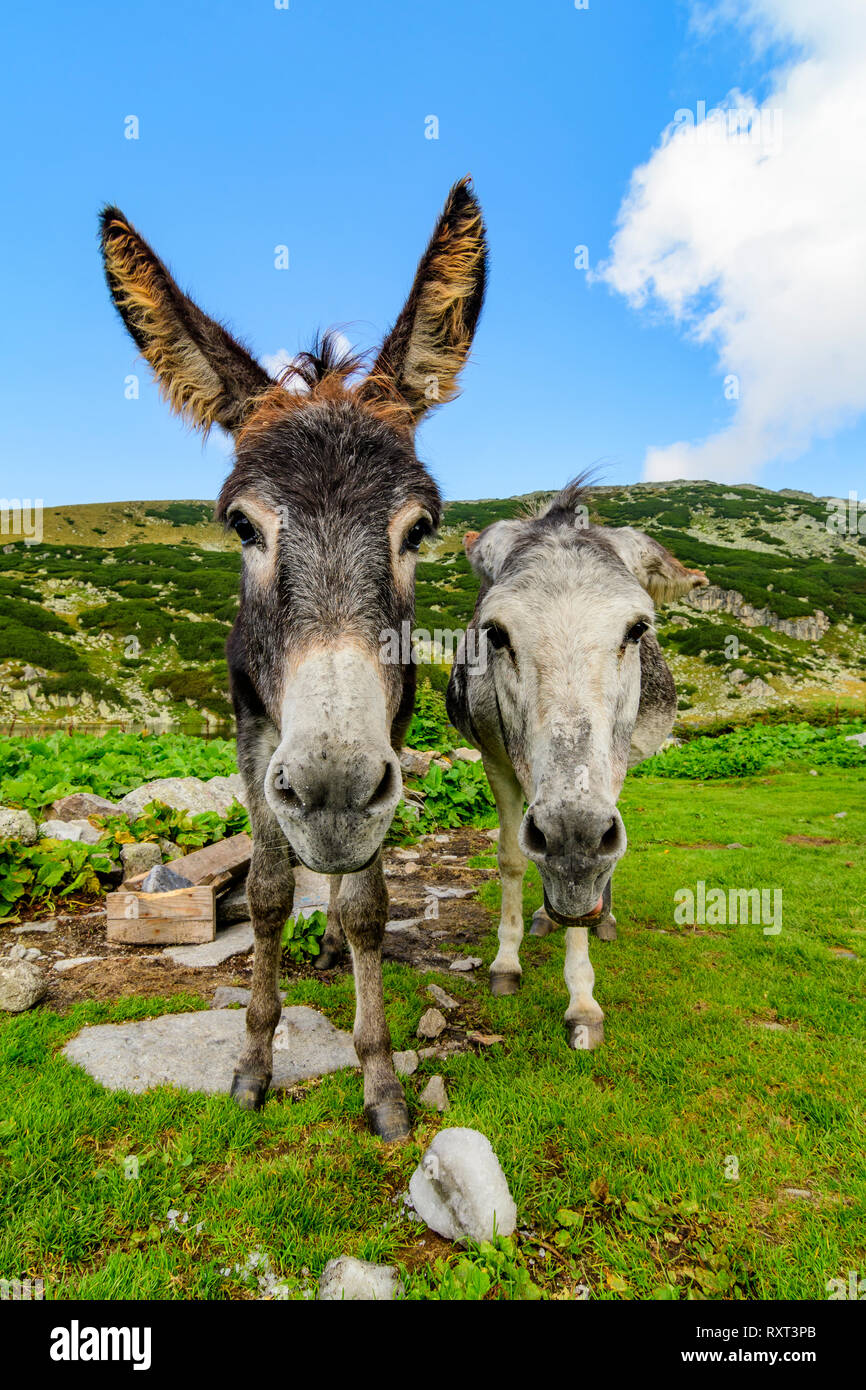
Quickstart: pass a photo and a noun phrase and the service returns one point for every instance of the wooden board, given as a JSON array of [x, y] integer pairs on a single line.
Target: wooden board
[[231, 856], [185, 915]]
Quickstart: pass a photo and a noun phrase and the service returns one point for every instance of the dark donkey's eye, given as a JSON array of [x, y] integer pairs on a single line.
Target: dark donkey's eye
[[635, 633], [245, 529], [498, 637], [418, 533]]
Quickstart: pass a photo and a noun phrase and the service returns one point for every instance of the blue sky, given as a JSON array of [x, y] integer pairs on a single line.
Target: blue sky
[[305, 126]]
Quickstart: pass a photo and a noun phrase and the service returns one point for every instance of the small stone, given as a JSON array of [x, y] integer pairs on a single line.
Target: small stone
[[460, 1190], [22, 985], [138, 858], [71, 962], [406, 854], [857, 738], [162, 879], [434, 1095], [466, 963], [18, 951], [414, 762], [233, 906], [18, 825], [431, 1025], [443, 999], [735, 844], [406, 1063], [33, 953], [440, 839], [467, 755], [350, 1280], [812, 772], [170, 850], [233, 941], [493, 834], [839, 815], [798, 1193], [47, 926], [225, 995]]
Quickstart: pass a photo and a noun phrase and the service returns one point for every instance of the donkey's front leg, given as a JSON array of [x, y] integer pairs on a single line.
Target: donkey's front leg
[[505, 972], [363, 905], [584, 1020], [270, 891], [333, 942]]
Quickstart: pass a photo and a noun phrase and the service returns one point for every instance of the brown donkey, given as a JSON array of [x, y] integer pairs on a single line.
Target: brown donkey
[[331, 505]]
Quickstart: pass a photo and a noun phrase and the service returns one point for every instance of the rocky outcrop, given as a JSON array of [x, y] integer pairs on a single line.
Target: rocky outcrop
[[716, 600]]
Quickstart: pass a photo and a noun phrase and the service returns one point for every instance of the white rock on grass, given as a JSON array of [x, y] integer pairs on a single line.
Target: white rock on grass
[[431, 1024], [22, 985], [17, 825], [460, 1190], [406, 1063], [467, 755], [434, 1095], [357, 1281], [199, 1051]]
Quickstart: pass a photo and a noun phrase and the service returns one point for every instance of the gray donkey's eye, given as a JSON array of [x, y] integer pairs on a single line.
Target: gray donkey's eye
[[635, 633], [418, 533], [245, 529]]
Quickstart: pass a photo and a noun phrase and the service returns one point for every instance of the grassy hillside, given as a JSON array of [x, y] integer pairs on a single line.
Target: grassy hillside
[[121, 613]]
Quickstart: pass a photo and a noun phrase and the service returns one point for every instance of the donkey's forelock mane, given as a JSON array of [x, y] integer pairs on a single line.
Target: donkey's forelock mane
[[323, 373]]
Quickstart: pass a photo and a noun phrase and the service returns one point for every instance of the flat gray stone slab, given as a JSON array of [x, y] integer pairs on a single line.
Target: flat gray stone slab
[[231, 941], [198, 1051]]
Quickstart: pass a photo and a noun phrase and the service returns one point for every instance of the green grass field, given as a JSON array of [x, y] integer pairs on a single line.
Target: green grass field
[[621, 1161]]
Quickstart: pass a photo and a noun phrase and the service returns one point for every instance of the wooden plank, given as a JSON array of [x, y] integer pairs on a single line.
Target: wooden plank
[[183, 915], [231, 856], [150, 931]]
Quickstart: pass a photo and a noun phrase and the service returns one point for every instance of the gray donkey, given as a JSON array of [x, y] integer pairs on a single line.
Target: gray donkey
[[331, 505], [569, 688]]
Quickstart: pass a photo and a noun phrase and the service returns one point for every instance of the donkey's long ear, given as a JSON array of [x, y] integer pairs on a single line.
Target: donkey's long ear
[[660, 572], [420, 360], [488, 551], [206, 376]]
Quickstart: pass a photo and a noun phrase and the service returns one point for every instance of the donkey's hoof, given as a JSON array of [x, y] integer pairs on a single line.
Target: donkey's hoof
[[249, 1091], [327, 959], [606, 930], [541, 924], [504, 982], [389, 1120], [584, 1035]]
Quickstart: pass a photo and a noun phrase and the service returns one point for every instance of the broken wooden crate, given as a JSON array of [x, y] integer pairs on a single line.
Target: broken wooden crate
[[184, 915]]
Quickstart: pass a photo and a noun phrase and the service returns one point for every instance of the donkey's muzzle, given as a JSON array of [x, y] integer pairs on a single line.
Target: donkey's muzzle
[[335, 817], [576, 851]]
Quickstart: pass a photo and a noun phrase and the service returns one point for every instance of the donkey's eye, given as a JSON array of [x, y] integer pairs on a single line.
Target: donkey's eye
[[245, 529], [498, 637], [635, 633], [418, 533]]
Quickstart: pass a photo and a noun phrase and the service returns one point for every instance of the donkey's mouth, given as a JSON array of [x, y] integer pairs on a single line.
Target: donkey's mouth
[[562, 921]]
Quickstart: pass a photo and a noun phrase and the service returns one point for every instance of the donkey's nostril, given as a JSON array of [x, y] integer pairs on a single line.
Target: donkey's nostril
[[610, 838], [385, 790], [533, 838]]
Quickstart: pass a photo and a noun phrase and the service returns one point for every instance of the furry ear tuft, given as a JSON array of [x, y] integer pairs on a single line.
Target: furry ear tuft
[[204, 373], [421, 358]]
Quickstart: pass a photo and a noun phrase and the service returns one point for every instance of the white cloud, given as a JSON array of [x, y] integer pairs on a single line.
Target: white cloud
[[759, 247]]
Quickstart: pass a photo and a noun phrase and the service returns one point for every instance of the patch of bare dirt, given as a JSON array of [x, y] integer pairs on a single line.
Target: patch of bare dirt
[[429, 943], [809, 840]]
